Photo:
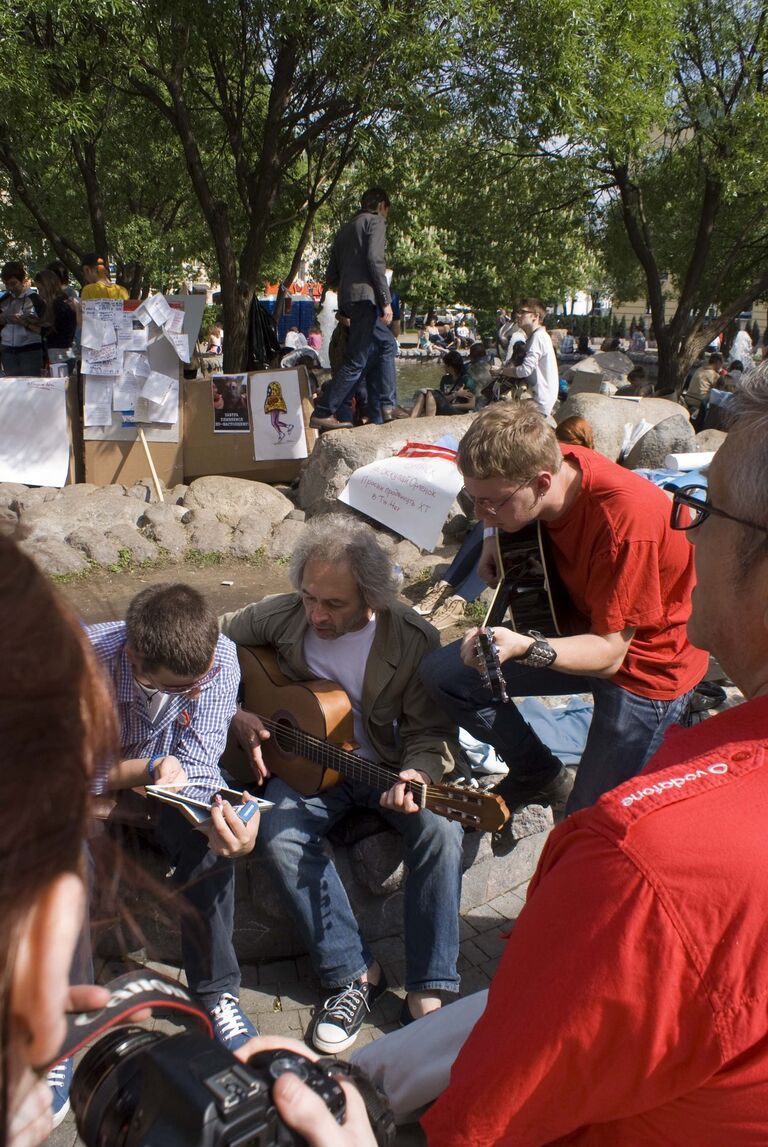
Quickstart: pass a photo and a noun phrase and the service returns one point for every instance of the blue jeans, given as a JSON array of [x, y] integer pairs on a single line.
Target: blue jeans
[[366, 331], [207, 884], [626, 729], [290, 839], [462, 573], [23, 361], [381, 372]]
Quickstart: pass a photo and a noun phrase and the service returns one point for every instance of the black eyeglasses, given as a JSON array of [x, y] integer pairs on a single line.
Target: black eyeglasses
[[696, 501]]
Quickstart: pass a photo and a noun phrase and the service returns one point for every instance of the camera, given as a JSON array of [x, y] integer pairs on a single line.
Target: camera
[[139, 1088]]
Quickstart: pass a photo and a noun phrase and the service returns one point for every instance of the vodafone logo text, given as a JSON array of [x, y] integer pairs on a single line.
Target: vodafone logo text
[[674, 783]]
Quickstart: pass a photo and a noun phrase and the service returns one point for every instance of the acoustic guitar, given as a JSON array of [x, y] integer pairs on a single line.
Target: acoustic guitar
[[312, 737], [526, 591]]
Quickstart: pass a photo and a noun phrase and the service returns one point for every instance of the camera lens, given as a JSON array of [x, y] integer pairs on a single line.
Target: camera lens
[[106, 1086]]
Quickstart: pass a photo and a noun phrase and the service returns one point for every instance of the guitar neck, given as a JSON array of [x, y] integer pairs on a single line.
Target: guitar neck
[[349, 764]]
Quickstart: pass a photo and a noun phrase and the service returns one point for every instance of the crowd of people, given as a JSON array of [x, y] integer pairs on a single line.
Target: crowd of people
[[629, 1005], [652, 866]]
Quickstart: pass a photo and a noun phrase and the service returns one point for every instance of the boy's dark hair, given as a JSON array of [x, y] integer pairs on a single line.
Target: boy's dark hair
[[454, 359], [371, 199], [171, 626], [13, 270], [91, 259]]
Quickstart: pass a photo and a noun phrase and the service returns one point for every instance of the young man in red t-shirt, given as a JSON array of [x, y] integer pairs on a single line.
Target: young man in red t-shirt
[[628, 578]]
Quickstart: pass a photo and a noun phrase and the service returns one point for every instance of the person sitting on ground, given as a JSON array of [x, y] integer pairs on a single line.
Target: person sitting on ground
[[567, 343], [479, 366], [610, 343], [315, 337], [582, 346], [21, 312], [456, 393], [576, 430], [175, 682], [343, 622], [637, 385], [98, 284], [701, 382]]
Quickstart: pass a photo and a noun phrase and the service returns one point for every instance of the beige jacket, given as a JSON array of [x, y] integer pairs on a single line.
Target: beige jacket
[[402, 722]]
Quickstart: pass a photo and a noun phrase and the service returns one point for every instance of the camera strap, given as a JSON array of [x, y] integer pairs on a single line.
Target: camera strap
[[130, 993]]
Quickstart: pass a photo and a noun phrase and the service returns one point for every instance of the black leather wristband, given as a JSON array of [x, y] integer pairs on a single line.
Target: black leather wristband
[[539, 655]]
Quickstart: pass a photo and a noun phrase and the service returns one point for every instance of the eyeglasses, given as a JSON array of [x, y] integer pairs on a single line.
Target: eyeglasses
[[185, 690], [494, 507], [696, 501]]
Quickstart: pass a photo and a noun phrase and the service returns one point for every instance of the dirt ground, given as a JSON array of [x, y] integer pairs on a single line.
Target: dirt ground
[[105, 596]]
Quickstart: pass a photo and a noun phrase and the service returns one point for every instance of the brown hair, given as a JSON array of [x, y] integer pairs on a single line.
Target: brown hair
[[534, 305], [509, 440], [57, 732], [171, 626], [577, 430]]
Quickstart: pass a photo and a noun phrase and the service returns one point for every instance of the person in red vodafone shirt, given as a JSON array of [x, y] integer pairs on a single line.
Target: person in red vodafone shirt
[[628, 577]]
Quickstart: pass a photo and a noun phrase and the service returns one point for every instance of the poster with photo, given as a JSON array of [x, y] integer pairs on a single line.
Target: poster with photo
[[229, 394], [278, 423]]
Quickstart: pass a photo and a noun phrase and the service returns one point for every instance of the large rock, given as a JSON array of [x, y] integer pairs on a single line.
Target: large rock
[[96, 545], [673, 435], [232, 498], [94, 512], [54, 556], [710, 440], [284, 538], [131, 542], [251, 534], [609, 416], [339, 453], [211, 537]]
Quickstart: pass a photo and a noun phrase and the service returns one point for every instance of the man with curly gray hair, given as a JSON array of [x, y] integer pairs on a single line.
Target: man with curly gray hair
[[343, 623]]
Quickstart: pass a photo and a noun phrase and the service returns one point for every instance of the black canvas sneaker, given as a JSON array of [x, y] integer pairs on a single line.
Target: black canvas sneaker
[[337, 1024]]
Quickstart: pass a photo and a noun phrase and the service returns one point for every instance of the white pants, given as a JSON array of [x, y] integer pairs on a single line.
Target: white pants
[[413, 1066]]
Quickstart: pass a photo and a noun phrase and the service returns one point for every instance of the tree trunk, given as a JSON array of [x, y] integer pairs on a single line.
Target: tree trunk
[[236, 304]]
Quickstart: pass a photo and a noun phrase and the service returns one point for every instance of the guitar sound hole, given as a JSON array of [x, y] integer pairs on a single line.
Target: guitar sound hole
[[285, 735]]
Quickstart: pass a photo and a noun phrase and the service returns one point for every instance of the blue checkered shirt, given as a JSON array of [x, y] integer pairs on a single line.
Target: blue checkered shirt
[[194, 729]]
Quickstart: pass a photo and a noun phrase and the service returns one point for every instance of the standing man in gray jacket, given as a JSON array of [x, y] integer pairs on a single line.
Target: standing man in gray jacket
[[357, 270]]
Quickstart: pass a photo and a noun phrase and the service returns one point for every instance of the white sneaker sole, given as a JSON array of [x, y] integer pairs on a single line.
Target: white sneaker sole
[[331, 1048], [61, 1114]]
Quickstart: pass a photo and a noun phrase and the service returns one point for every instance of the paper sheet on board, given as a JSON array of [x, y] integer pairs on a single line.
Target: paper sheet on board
[[166, 412], [179, 342], [410, 495], [125, 391], [155, 387], [94, 332], [98, 402], [34, 439]]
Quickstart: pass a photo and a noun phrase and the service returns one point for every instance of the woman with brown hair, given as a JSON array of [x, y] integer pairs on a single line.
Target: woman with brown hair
[[56, 735], [59, 318]]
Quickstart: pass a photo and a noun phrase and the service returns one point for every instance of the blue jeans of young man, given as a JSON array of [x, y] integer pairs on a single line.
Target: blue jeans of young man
[[625, 732], [291, 839], [381, 372], [366, 330], [22, 361], [207, 883]]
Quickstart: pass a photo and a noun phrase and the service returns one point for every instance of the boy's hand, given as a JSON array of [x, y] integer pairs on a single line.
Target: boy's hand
[[228, 835]]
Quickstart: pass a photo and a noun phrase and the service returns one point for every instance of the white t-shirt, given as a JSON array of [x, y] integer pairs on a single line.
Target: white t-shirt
[[541, 362], [343, 660]]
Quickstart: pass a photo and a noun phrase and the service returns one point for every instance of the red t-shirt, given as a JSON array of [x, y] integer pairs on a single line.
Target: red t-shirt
[[630, 1008], [623, 566]]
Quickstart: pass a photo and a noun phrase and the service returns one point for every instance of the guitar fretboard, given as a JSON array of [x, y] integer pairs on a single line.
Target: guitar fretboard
[[330, 756]]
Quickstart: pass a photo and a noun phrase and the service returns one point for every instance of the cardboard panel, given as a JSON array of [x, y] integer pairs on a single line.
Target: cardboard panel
[[231, 453], [126, 462]]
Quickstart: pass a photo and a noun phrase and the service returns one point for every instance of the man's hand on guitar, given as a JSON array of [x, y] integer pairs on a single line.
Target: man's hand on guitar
[[250, 733], [508, 643], [487, 567], [398, 798]]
